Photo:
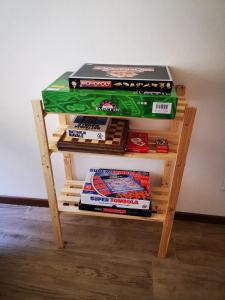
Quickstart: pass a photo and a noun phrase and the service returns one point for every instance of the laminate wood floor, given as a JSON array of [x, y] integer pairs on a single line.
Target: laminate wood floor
[[107, 259]]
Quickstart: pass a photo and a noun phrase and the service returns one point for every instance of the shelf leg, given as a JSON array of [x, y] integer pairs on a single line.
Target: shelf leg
[[175, 126], [64, 120], [168, 165], [167, 173], [188, 122], [47, 169]]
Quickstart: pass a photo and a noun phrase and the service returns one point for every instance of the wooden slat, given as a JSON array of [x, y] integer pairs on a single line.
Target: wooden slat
[[159, 207], [165, 133], [80, 184], [74, 183], [59, 131], [182, 101], [180, 108], [75, 210], [77, 185], [149, 155], [175, 126], [71, 191], [70, 195], [68, 199], [52, 146], [160, 189], [179, 115], [160, 198], [74, 200]]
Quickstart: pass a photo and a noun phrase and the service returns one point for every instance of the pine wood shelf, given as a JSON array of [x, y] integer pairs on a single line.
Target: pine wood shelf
[[171, 155], [164, 198], [70, 196]]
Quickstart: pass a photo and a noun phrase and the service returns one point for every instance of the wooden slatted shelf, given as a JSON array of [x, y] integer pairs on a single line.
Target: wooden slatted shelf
[[171, 155], [172, 138], [70, 196], [164, 200]]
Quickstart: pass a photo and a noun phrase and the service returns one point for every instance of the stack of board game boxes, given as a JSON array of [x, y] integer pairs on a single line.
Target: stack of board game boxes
[[115, 90], [112, 90], [117, 191]]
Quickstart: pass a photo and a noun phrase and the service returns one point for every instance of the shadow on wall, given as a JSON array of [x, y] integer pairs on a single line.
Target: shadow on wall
[[201, 84]]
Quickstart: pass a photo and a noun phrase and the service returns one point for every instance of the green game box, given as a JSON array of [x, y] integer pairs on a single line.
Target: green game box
[[59, 98]]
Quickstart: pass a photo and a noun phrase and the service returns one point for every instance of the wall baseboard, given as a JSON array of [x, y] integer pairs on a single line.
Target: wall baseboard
[[24, 201], [184, 216]]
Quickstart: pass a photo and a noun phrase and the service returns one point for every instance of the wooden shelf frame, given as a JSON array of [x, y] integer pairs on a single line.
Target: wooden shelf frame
[[164, 198]]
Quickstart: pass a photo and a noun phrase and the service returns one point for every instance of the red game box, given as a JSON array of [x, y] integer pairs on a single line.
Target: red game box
[[161, 145], [137, 142]]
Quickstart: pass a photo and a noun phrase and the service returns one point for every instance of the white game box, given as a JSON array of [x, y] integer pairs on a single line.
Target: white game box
[[88, 127]]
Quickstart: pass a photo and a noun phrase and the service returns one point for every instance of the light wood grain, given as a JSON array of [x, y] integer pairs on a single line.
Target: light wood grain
[[47, 169], [64, 121], [163, 200], [75, 210], [107, 259], [166, 178], [70, 196], [177, 178]]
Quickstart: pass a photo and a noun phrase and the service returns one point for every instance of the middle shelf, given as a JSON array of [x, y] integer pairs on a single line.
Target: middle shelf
[[172, 137]]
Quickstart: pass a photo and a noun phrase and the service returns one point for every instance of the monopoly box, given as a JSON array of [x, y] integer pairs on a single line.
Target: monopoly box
[[120, 191], [156, 79], [59, 98]]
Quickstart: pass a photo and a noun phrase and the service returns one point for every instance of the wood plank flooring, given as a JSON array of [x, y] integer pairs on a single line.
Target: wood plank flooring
[[107, 259]]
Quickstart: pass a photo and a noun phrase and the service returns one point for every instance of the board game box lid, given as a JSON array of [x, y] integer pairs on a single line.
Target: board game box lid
[[126, 72], [91, 123], [127, 184]]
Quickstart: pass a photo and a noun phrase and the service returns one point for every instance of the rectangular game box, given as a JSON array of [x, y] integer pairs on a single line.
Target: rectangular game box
[[155, 79], [88, 127], [137, 142], [128, 191], [59, 98], [121, 211], [115, 142]]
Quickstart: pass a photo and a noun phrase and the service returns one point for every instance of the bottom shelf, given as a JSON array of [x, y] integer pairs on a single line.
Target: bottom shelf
[[70, 196]]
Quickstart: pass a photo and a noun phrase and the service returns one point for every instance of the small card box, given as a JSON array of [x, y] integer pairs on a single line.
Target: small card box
[[137, 142], [161, 145]]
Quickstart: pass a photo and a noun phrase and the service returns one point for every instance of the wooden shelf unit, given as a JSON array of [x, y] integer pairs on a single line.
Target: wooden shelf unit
[[164, 198]]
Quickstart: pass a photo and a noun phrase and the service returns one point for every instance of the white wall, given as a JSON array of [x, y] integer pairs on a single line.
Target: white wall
[[42, 39]]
